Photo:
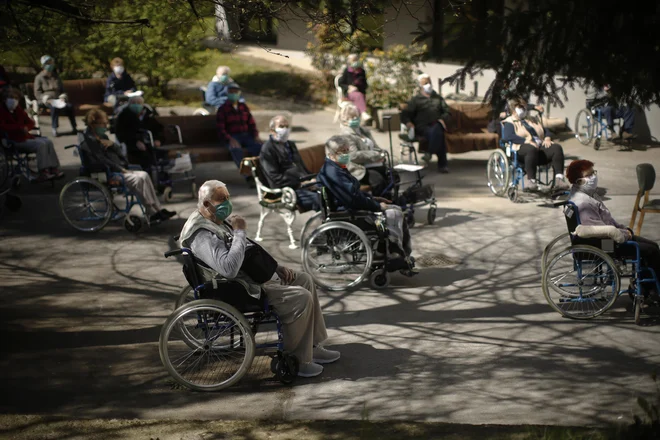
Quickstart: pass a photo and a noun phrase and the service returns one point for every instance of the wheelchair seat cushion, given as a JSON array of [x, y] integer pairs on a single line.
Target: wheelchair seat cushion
[[234, 294], [600, 232]]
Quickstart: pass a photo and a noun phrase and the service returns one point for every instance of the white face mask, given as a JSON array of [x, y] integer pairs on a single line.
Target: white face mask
[[428, 87], [281, 134], [118, 70], [521, 112], [11, 104], [589, 184]]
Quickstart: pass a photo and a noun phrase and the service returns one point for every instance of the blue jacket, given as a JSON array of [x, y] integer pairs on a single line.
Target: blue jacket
[[345, 188], [117, 86], [216, 93]]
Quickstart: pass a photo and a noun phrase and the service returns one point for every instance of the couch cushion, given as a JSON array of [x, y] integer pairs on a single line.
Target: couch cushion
[[464, 142]]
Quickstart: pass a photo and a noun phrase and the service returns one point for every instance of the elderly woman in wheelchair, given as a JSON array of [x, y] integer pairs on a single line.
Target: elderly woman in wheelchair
[[361, 236], [221, 244], [583, 280]]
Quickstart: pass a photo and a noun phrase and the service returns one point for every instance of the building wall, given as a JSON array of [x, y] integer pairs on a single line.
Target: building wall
[[293, 35], [401, 21]]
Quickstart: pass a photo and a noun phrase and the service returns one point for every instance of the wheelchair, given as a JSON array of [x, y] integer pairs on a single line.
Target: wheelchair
[[349, 247], [208, 342], [206, 108], [590, 125], [19, 164], [583, 280], [7, 199], [505, 174], [88, 202]]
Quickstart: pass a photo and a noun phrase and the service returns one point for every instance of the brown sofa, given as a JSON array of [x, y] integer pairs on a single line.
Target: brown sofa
[[84, 94]]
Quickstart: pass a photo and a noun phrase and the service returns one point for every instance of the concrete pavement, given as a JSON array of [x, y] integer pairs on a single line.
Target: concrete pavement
[[472, 343]]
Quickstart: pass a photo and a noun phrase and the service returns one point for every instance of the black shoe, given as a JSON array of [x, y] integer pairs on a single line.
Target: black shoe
[[156, 218], [167, 214], [443, 170]]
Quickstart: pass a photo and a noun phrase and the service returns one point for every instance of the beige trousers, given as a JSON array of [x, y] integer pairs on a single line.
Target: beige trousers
[[44, 149], [139, 182], [299, 310]]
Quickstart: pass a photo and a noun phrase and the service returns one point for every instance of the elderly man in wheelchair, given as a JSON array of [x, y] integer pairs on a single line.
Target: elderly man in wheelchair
[[360, 236], [583, 281], [220, 242], [101, 153]]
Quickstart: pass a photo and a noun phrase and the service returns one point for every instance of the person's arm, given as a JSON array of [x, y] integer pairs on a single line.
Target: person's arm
[[252, 126], [212, 250], [445, 114], [408, 114], [94, 149], [509, 134], [221, 125], [108, 88], [361, 156], [38, 87], [271, 167], [607, 218], [130, 83], [346, 189], [60, 85], [126, 129], [27, 121], [345, 81]]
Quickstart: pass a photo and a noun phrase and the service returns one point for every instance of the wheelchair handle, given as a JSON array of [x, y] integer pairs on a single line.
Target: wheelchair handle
[[169, 254], [70, 146]]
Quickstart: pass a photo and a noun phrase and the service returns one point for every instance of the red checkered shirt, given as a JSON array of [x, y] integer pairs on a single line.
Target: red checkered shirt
[[230, 120]]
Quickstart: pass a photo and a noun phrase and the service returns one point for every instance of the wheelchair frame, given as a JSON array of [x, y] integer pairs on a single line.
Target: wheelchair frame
[[19, 164], [283, 365], [132, 223], [595, 127], [605, 249]]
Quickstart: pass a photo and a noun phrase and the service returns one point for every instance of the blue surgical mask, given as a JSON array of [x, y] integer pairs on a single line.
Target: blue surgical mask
[[354, 123], [223, 210], [136, 108], [11, 104], [100, 131], [49, 67], [590, 183], [233, 97], [356, 65], [224, 78], [343, 159]]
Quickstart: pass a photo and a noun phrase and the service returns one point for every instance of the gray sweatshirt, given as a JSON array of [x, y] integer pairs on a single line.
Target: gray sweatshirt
[[50, 85], [593, 212]]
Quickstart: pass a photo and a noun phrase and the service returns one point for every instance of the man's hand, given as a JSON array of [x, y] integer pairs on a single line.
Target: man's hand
[[539, 108], [233, 143], [286, 274], [410, 125], [382, 200], [628, 234], [443, 124], [140, 145], [107, 143], [383, 206], [307, 182], [547, 142], [237, 222], [156, 143]]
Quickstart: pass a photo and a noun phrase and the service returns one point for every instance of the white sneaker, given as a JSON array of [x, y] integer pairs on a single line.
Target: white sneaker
[[309, 369], [322, 356]]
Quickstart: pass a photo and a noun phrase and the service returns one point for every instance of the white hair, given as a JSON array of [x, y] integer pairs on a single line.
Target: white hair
[[273, 122], [136, 100], [222, 70], [207, 190], [423, 76], [348, 112], [352, 57]]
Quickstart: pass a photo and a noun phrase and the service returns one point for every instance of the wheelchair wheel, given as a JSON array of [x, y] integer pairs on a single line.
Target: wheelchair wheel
[[410, 218], [512, 193], [206, 345], [560, 241], [584, 126], [430, 216], [337, 255], [193, 190], [581, 282], [168, 194], [133, 223], [310, 225], [379, 279], [201, 112], [4, 169], [498, 172], [186, 295], [86, 204], [597, 144], [285, 367], [637, 304]]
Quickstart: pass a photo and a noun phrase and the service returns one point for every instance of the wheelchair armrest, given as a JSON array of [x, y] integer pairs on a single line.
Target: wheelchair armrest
[[70, 146], [176, 129], [171, 253], [307, 177]]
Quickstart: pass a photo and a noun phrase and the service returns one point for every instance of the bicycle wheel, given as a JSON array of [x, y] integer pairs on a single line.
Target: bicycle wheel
[[581, 282], [206, 345], [337, 255], [86, 204], [498, 172], [584, 126]]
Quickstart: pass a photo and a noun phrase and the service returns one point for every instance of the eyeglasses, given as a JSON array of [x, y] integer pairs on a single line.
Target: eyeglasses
[[592, 173]]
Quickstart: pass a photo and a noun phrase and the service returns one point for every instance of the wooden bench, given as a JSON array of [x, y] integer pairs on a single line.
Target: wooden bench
[[84, 94]]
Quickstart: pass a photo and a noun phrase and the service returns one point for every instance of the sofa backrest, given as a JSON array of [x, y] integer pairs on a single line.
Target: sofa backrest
[[313, 157], [469, 116], [80, 91], [195, 130]]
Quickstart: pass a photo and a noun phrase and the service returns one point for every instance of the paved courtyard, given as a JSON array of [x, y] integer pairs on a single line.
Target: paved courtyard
[[469, 343]]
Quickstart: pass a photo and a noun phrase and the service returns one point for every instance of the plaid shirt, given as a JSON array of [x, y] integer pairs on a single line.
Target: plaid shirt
[[230, 121]]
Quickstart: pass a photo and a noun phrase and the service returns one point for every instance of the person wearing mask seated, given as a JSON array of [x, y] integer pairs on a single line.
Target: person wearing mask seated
[[130, 124], [282, 165], [345, 188], [593, 212], [367, 160], [216, 91], [16, 124], [600, 98], [533, 144], [49, 91], [236, 127], [221, 242], [119, 83], [353, 83], [101, 154], [428, 113]]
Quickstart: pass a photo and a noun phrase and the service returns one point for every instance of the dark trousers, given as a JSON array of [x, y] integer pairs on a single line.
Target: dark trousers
[[247, 141], [308, 199], [56, 112], [649, 251], [531, 157], [435, 134], [628, 115]]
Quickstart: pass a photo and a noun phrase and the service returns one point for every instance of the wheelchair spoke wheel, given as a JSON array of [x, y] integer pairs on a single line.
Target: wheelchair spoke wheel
[[584, 126], [4, 169], [337, 255], [581, 282], [559, 242], [86, 205], [310, 225], [206, 345], [498, 172], [186, 295]]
